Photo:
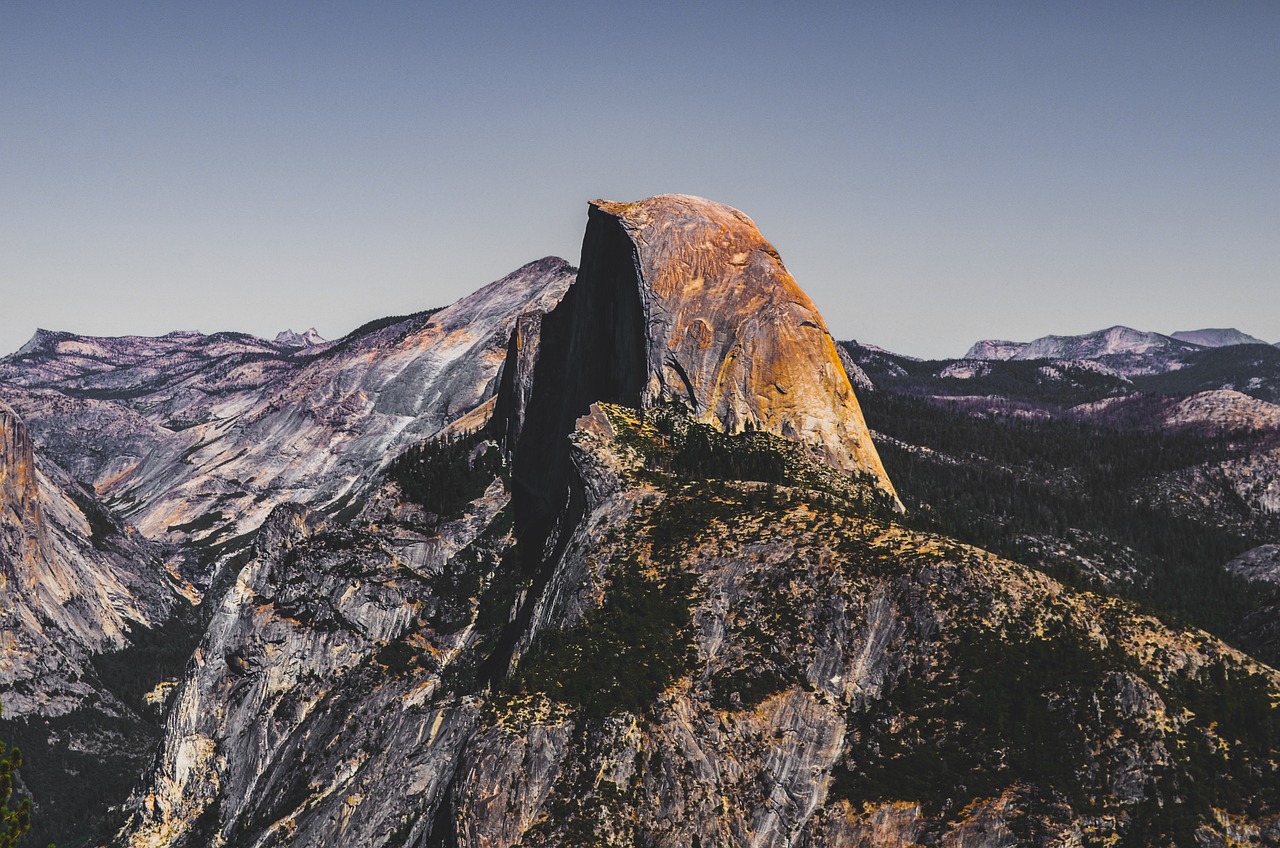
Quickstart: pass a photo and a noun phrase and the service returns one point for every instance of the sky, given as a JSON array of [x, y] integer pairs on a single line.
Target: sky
[[931, 173]]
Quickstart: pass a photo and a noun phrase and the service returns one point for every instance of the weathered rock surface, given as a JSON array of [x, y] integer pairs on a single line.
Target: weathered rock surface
[[1261, 563], [73, 582], [315, 685], [184, 444], [998, 349], [677, 300], [664, 597], [308, 339]]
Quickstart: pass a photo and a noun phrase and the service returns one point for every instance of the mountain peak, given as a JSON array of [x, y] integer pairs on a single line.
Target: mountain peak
[[994, 349], [42, 341], [1110, 345], [731, 334], [289, 338]]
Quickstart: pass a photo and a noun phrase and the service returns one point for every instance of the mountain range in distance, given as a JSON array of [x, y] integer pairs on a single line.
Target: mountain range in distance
[[636, 553], [1115, 341]]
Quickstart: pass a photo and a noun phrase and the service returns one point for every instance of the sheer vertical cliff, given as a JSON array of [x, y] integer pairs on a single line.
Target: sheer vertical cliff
[[679, 300], [729, 333]]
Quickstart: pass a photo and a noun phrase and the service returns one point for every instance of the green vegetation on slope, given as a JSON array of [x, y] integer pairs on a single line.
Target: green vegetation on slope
[[624, 653], [1006, 484], [444, 475]]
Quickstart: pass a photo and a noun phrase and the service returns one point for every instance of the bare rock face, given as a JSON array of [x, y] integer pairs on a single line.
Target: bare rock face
[[728, 331], [1260, 564], [195, 438], [994, 349], [657, 656], [314, 712], [18, 493]]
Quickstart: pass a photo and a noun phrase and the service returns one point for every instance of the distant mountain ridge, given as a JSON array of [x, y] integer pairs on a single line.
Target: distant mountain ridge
[[1113, 341], [1216, 337], [1123, 350]]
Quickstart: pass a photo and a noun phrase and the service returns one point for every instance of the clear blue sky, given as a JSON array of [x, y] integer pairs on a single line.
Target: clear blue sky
[[931, 173]]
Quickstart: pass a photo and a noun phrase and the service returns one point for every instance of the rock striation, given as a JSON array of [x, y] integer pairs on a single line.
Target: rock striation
[[195, 438], [72, 583], [729, 333]]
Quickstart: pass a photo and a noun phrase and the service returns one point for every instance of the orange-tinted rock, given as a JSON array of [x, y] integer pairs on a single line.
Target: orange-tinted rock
[[729, 332]]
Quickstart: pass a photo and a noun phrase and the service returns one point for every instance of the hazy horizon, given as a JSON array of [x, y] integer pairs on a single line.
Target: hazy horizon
[[930, 177], [303, 328]]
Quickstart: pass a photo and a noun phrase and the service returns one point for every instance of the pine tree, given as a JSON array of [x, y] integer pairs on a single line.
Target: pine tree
[[13, 823]]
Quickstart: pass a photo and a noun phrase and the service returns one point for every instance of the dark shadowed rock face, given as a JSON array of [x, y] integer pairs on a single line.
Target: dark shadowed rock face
[[679, 299]]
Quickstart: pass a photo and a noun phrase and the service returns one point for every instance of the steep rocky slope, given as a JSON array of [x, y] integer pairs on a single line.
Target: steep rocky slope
[[679, 300], [176, 450], [198, 438], [713, 663], [76, 587], [73, 583], [729, 332]]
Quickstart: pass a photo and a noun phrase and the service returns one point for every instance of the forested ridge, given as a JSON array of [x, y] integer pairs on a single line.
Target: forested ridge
[[1074, 499]]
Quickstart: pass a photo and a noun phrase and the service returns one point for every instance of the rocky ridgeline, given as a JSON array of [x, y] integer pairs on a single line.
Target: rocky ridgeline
[[1124, 350], [197, 438]]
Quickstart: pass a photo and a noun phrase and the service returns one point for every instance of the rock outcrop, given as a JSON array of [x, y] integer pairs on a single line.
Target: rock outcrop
[[680, 300], [997, 349], [726, 329], [196, 438]]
